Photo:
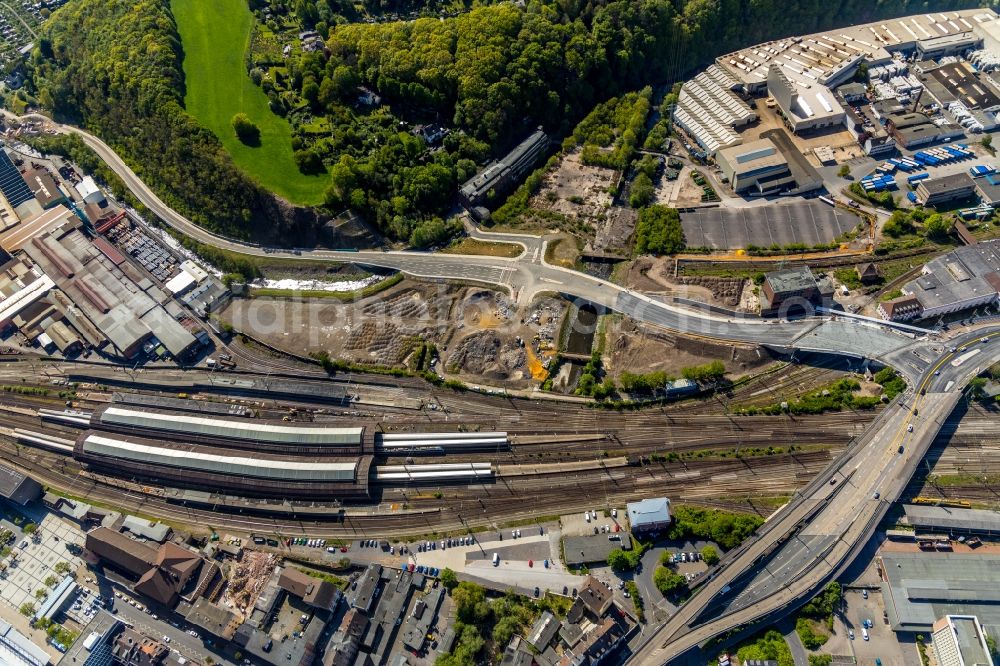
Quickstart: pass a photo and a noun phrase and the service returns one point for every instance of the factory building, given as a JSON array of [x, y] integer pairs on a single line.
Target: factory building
[[711, 112], [90, 192], [500, 177], [223, 470], [44, 188], [757, 166], [233, 431], [965, 278], [768, 166], [937, 191], [832, 58], [805, 107], [16, 192], [959, 640], [912, 130], [922, 587], [121, 308]]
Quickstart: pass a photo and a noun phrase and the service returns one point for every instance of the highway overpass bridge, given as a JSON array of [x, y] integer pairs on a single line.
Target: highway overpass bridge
[[813, 537], [816, 535]]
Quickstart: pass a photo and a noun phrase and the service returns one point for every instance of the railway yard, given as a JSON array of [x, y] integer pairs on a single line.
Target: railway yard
[[473, 461]]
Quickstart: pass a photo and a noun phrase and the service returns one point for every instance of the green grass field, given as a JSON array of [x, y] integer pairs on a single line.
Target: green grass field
[[215, 36]]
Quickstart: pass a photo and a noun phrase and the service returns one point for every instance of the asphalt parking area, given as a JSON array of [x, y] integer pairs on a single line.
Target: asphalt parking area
[[806, 222], [37, 561]]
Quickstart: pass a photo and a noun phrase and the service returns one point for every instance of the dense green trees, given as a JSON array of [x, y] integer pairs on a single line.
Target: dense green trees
[[724, 528], [115, 67], [668, 582], [659, 231], [492, 73], [245, 129]]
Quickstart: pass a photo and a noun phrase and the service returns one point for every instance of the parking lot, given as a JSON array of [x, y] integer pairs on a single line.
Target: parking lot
[[37, 561], [882, 643], [806, 222]]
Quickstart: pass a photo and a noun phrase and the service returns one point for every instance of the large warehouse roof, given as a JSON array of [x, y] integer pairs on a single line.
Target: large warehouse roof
[[251, 430], [939, 517], [268, 468]]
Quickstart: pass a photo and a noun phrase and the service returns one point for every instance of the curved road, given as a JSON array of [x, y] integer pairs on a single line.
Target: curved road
[[527, 275], [814, 535], [817, 534]]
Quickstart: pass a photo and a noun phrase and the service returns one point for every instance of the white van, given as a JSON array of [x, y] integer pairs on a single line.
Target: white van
[[496, 559], [864, 634]]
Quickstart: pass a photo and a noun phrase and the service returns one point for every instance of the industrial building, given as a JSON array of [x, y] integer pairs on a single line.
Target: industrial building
[[831, 58], [44, 188], [792, 288], [232, 431], [649, 515], [912, 130], [937, 191], [951, 521], [966, 277], [757, 166], [988, 189], [919, 588], [709, 110], [805, 107], [500, 177], [225, 471], [108, 302], [16, 193], [959, 640]]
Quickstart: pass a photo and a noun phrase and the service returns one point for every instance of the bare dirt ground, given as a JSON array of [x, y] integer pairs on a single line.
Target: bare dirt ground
[[614, 232], [685, 193], [481, 335], [657, 275], [575, 189], [637, 348], [844, 145]]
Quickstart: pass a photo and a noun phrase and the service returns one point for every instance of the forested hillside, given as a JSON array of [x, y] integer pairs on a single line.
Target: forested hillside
[[114, 66], [490, 74], [501, 67]]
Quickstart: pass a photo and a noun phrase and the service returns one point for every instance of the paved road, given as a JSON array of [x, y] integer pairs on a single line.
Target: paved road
[[821, 530], [527, 275]]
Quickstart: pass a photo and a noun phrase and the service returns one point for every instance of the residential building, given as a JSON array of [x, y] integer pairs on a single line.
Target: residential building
[[903, 308], [867, 272], [946, 189], [959, 640], [342, 650], [213, 618], [320, 594], [649, 515]]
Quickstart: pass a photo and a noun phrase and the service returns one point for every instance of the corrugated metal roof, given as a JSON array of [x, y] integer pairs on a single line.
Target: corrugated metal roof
[[210, 462], [233, 429], [953, 519]]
